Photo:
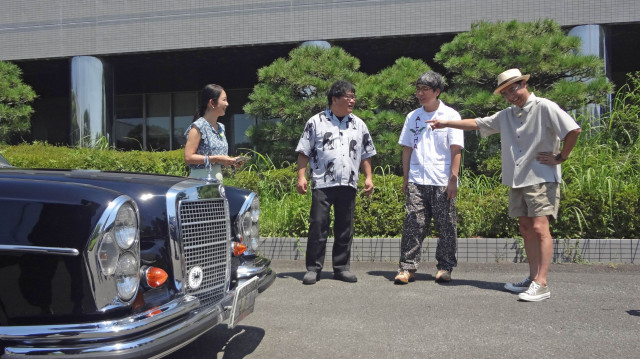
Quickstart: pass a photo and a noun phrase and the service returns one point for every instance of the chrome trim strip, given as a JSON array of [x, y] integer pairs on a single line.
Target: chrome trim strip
[[107, 329], [247, 203], [246, 206], [252, 267], [141, 335], [54, 251], [190, 190], [104, 287]]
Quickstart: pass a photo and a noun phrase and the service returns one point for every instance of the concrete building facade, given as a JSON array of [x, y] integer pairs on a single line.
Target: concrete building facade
[[130, 70]]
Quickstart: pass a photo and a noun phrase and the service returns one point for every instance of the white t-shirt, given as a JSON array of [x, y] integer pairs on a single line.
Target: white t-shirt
[[431, 157]]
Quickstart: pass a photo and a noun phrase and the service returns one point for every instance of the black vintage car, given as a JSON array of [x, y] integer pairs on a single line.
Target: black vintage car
[[97, 264]]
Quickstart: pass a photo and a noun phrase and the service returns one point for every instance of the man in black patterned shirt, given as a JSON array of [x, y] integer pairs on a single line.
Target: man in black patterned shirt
[[335, 143]]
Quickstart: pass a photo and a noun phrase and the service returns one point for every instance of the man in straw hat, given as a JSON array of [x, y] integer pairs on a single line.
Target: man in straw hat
[[530, 132]]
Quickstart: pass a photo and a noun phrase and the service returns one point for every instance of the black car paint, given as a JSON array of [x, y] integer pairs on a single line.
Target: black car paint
[[65, 200]]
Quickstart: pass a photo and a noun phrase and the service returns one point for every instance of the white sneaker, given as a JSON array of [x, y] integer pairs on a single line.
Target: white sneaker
[[518, 287], [535, 293]]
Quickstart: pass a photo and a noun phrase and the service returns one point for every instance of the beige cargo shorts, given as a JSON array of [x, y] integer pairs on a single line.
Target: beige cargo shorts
[[541, 199]]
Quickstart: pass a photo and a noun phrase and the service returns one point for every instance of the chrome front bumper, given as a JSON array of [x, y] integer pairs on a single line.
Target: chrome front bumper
[[151, 334], [256, 266]]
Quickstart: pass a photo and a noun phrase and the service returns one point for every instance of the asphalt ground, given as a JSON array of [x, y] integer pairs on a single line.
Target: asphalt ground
[[593, 312]]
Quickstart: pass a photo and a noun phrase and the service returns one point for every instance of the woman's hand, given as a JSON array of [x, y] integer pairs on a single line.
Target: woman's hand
[[227, 160], [240, 160], [222, 159]]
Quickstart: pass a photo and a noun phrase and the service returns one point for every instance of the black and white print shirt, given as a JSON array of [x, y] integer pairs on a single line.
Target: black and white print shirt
[[335, 149]]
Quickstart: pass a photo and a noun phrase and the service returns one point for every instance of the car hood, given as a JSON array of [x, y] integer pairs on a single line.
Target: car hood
[[72, 191]]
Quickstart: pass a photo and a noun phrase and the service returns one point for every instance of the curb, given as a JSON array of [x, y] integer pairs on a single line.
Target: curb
[[476, 250]]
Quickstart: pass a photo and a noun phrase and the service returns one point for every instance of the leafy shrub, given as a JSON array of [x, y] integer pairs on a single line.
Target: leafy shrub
[[245, 179], [485, 214], [43, 155], [287, 216], [284, 212], [382, 213]]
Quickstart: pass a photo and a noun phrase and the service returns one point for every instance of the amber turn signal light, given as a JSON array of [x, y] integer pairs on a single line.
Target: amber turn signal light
[[156, 277], [238, 248], [154, 312]]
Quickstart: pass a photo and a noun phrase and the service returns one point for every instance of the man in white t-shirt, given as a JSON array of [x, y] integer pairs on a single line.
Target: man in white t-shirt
[[430, 165]]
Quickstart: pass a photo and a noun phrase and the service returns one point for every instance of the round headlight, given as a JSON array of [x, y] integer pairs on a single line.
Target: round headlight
[[126, 226], [108, 254], [127, 276]]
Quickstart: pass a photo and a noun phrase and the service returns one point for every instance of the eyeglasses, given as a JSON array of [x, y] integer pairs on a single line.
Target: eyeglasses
[[350, 97], [423, 88], [510, 90]]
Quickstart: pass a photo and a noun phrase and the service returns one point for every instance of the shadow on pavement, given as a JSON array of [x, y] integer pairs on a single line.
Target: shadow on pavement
[[478, 284], [295, 275], [634, 312], [454, 283], [390, 276], [238, 342], [329, 275], [300, 275]]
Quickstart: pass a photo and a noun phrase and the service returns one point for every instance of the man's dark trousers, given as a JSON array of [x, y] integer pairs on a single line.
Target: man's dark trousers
[[343, 199]]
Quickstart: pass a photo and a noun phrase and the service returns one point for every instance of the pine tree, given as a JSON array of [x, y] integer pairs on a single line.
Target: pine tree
[[15, 99], [474, 59], [290, 91]]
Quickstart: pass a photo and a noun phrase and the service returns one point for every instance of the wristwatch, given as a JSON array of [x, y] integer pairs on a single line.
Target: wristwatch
[[559, 157]]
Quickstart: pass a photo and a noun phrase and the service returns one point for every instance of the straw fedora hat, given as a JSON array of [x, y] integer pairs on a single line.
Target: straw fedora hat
[[508, 77]]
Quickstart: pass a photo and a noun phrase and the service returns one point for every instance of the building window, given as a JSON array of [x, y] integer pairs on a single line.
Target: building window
[[184, 107], [129, 122], [153, 122], [158, 129], [241, 123], [157, 122]]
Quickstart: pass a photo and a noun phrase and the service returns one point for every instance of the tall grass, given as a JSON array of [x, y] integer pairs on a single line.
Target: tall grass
[[601, 177]]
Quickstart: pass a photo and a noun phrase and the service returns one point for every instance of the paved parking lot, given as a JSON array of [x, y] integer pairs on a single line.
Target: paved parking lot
[[594, 312]]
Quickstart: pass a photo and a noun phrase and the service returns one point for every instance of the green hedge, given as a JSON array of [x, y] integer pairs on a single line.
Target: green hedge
[[482, 208], [43, 155]]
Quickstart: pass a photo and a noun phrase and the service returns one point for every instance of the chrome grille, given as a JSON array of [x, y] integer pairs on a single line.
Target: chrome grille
[[205, 232]]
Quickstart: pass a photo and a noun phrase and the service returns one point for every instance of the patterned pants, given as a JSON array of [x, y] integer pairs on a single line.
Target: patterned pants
[[424, 203]]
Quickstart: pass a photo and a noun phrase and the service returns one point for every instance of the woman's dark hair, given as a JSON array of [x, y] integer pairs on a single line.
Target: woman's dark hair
[[209, 92], [339, 89]]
